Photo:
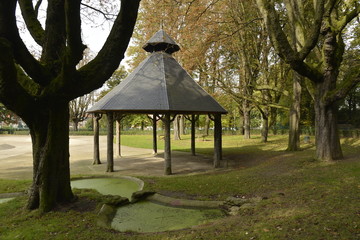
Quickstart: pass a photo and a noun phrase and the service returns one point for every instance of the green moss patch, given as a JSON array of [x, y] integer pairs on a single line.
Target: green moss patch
[[150, 217]]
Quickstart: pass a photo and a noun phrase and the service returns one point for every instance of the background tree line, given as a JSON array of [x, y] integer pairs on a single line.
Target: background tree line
[[290, 63]]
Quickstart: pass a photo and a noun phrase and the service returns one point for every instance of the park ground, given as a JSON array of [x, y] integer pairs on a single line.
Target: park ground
[[302, 198]]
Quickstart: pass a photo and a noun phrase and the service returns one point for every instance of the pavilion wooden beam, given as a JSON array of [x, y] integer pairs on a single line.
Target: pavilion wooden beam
[[217, 140], [110, 142], [193, 121], [167, 149], [118, 117], [96, 157], [154, 120], [118, 138]]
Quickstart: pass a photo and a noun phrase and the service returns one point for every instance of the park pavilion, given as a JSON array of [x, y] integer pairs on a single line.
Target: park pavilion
[[162, 89]]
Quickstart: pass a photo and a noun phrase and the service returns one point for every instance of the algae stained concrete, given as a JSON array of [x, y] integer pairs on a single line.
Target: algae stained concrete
[[123, 187], [146, 216]]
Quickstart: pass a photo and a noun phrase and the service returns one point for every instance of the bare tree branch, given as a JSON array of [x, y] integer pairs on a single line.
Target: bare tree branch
[[282, 45], [107, 16], [73, 31], [37, 7], [109, 57], [32, 23], [9, 31]]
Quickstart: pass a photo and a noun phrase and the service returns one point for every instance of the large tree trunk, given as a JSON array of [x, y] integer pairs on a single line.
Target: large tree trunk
[[182, 125], [294, 121], [76, 125], [51, 171], [241, 121], [326, 132], [40, 90], [327, 139], [326, 31]]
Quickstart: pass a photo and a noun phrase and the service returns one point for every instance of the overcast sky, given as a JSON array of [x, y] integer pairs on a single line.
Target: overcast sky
[[93, 35]]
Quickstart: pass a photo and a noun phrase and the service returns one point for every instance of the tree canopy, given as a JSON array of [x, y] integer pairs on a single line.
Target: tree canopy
[[269, 56]]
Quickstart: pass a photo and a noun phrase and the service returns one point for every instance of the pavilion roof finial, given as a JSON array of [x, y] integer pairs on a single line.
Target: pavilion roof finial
[[161, 42]]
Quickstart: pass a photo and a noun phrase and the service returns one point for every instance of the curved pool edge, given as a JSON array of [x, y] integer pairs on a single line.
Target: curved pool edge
[[12, 195], [184, 203], [5, 197], [137, 180]]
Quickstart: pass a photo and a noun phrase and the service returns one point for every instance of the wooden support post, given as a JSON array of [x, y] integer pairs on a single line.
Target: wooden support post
[[110, 143], [118, 137], [217, 140], [167, 150], [96, 119], [154, 120], [193, 120]]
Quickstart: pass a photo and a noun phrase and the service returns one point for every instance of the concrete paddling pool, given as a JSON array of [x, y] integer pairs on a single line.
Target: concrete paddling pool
[[147, 215], [122, 186], [3, 200]]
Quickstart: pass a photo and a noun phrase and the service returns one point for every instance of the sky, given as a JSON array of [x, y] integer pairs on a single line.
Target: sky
[[93, 35]]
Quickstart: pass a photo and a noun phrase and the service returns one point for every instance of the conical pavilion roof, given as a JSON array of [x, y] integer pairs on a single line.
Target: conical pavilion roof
[[159, 85]]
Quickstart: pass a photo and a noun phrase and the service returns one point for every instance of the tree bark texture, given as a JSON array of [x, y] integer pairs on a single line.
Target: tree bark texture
[[51, 172], [294, 118], [327, 139]]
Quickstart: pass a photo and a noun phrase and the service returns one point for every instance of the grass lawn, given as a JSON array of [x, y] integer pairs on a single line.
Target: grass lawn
[[302, 197]]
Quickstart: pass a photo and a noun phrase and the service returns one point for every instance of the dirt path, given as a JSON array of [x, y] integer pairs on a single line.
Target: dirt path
[[16, 159]]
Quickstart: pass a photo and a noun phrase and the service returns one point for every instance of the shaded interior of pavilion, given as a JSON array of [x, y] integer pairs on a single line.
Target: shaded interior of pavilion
[[160, 88]]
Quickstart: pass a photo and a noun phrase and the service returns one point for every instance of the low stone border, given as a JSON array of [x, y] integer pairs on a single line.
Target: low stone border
[[12, 195], [106, 215], [177, 202]]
